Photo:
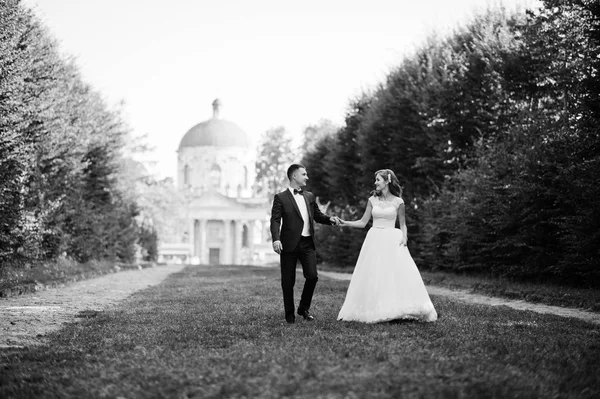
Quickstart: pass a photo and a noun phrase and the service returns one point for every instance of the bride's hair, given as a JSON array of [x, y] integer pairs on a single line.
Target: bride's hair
[[390, 177]]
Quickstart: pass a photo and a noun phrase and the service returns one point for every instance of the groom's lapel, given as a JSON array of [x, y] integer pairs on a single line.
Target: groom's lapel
[[293, 201], [308, 208], [307, 204]]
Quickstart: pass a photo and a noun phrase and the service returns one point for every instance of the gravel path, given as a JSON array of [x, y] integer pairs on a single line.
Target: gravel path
[[494, 301], [24, 320]]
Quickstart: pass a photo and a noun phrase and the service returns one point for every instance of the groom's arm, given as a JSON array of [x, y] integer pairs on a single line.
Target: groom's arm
[[276, 213]]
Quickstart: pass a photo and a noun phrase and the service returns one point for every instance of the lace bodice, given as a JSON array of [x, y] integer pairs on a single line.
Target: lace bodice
[[385, 212]]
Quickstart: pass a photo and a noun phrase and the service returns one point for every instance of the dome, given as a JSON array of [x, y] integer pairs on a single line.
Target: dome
[[215, 132]]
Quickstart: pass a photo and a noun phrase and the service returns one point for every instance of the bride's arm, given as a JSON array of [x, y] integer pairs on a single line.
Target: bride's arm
[[363, 221], [402, 222]]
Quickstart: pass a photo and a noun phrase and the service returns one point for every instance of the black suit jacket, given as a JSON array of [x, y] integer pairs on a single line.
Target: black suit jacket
[[286, 220]]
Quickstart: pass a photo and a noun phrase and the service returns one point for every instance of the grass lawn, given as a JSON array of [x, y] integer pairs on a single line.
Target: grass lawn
[[212, 332]]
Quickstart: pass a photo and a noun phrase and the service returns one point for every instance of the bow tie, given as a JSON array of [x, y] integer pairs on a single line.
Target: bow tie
[[298, 191]]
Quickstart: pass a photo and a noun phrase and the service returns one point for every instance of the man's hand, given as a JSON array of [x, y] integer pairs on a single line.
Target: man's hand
[[335, 220], [277, 247]]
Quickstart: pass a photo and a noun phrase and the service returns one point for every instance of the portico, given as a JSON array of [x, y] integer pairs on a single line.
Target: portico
[[225, 230]]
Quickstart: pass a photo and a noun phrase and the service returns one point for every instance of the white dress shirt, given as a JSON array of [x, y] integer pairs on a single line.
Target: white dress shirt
[[303, 211]]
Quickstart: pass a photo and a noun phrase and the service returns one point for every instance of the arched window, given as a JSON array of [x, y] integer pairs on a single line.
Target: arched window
[[245, 177], [215, 175], [186, 175]]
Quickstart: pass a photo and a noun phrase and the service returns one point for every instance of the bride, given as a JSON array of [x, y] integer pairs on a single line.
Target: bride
[[386, 284]]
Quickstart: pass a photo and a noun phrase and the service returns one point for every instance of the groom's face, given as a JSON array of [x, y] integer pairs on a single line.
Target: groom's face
[[301, 177]]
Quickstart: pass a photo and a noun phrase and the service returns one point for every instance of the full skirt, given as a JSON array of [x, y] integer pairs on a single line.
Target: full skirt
[[386, 284]]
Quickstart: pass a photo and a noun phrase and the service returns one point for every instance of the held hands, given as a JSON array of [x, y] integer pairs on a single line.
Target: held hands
[[336, 221]]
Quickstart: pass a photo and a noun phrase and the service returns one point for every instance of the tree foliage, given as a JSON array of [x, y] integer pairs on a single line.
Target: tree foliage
[[61, 148], [493, 132], [274, 156], [316, 132]]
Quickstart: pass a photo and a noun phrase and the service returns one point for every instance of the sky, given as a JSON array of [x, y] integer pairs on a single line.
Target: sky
[[271, 62]]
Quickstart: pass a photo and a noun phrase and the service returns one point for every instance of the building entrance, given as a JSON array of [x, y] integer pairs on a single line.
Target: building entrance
[[214, 256]]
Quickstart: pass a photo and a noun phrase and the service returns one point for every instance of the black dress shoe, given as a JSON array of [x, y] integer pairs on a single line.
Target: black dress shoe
[[306, 314], [290, 320]]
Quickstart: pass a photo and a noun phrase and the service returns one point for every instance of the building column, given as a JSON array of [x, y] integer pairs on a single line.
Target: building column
[[265, 233], [228, 243], [251, 228], [192, 237], [237, 251], [203, 255]]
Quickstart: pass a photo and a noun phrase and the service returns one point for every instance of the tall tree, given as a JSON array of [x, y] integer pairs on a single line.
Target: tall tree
[[345, 179], [314, 133], [17, 105], [337, 177], [274, 156]]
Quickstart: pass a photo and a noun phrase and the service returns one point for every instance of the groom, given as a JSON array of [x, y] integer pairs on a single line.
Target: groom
[[293, 239]]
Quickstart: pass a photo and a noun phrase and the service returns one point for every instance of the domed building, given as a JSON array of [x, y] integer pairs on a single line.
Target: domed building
[[216, 171], [216, 155]]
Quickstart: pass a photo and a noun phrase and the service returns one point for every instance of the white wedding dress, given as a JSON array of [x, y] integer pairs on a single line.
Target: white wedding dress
[[386, 284]]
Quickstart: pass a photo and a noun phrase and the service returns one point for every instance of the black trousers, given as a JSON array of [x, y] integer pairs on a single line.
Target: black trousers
[[304, 252]]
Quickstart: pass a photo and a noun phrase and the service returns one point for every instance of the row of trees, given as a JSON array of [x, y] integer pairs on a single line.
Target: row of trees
[[493, 131], [65, 182]]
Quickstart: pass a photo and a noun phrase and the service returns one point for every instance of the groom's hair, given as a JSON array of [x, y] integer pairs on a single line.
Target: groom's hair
[[293, 167]]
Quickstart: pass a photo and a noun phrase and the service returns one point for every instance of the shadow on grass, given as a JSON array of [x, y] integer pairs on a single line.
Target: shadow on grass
[[87, 314], [219, 332]]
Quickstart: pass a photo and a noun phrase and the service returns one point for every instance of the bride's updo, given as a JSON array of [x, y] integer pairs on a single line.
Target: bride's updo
[[390, 177]]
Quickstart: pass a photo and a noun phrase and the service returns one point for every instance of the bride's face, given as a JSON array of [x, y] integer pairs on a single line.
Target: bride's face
[[379, 183]]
